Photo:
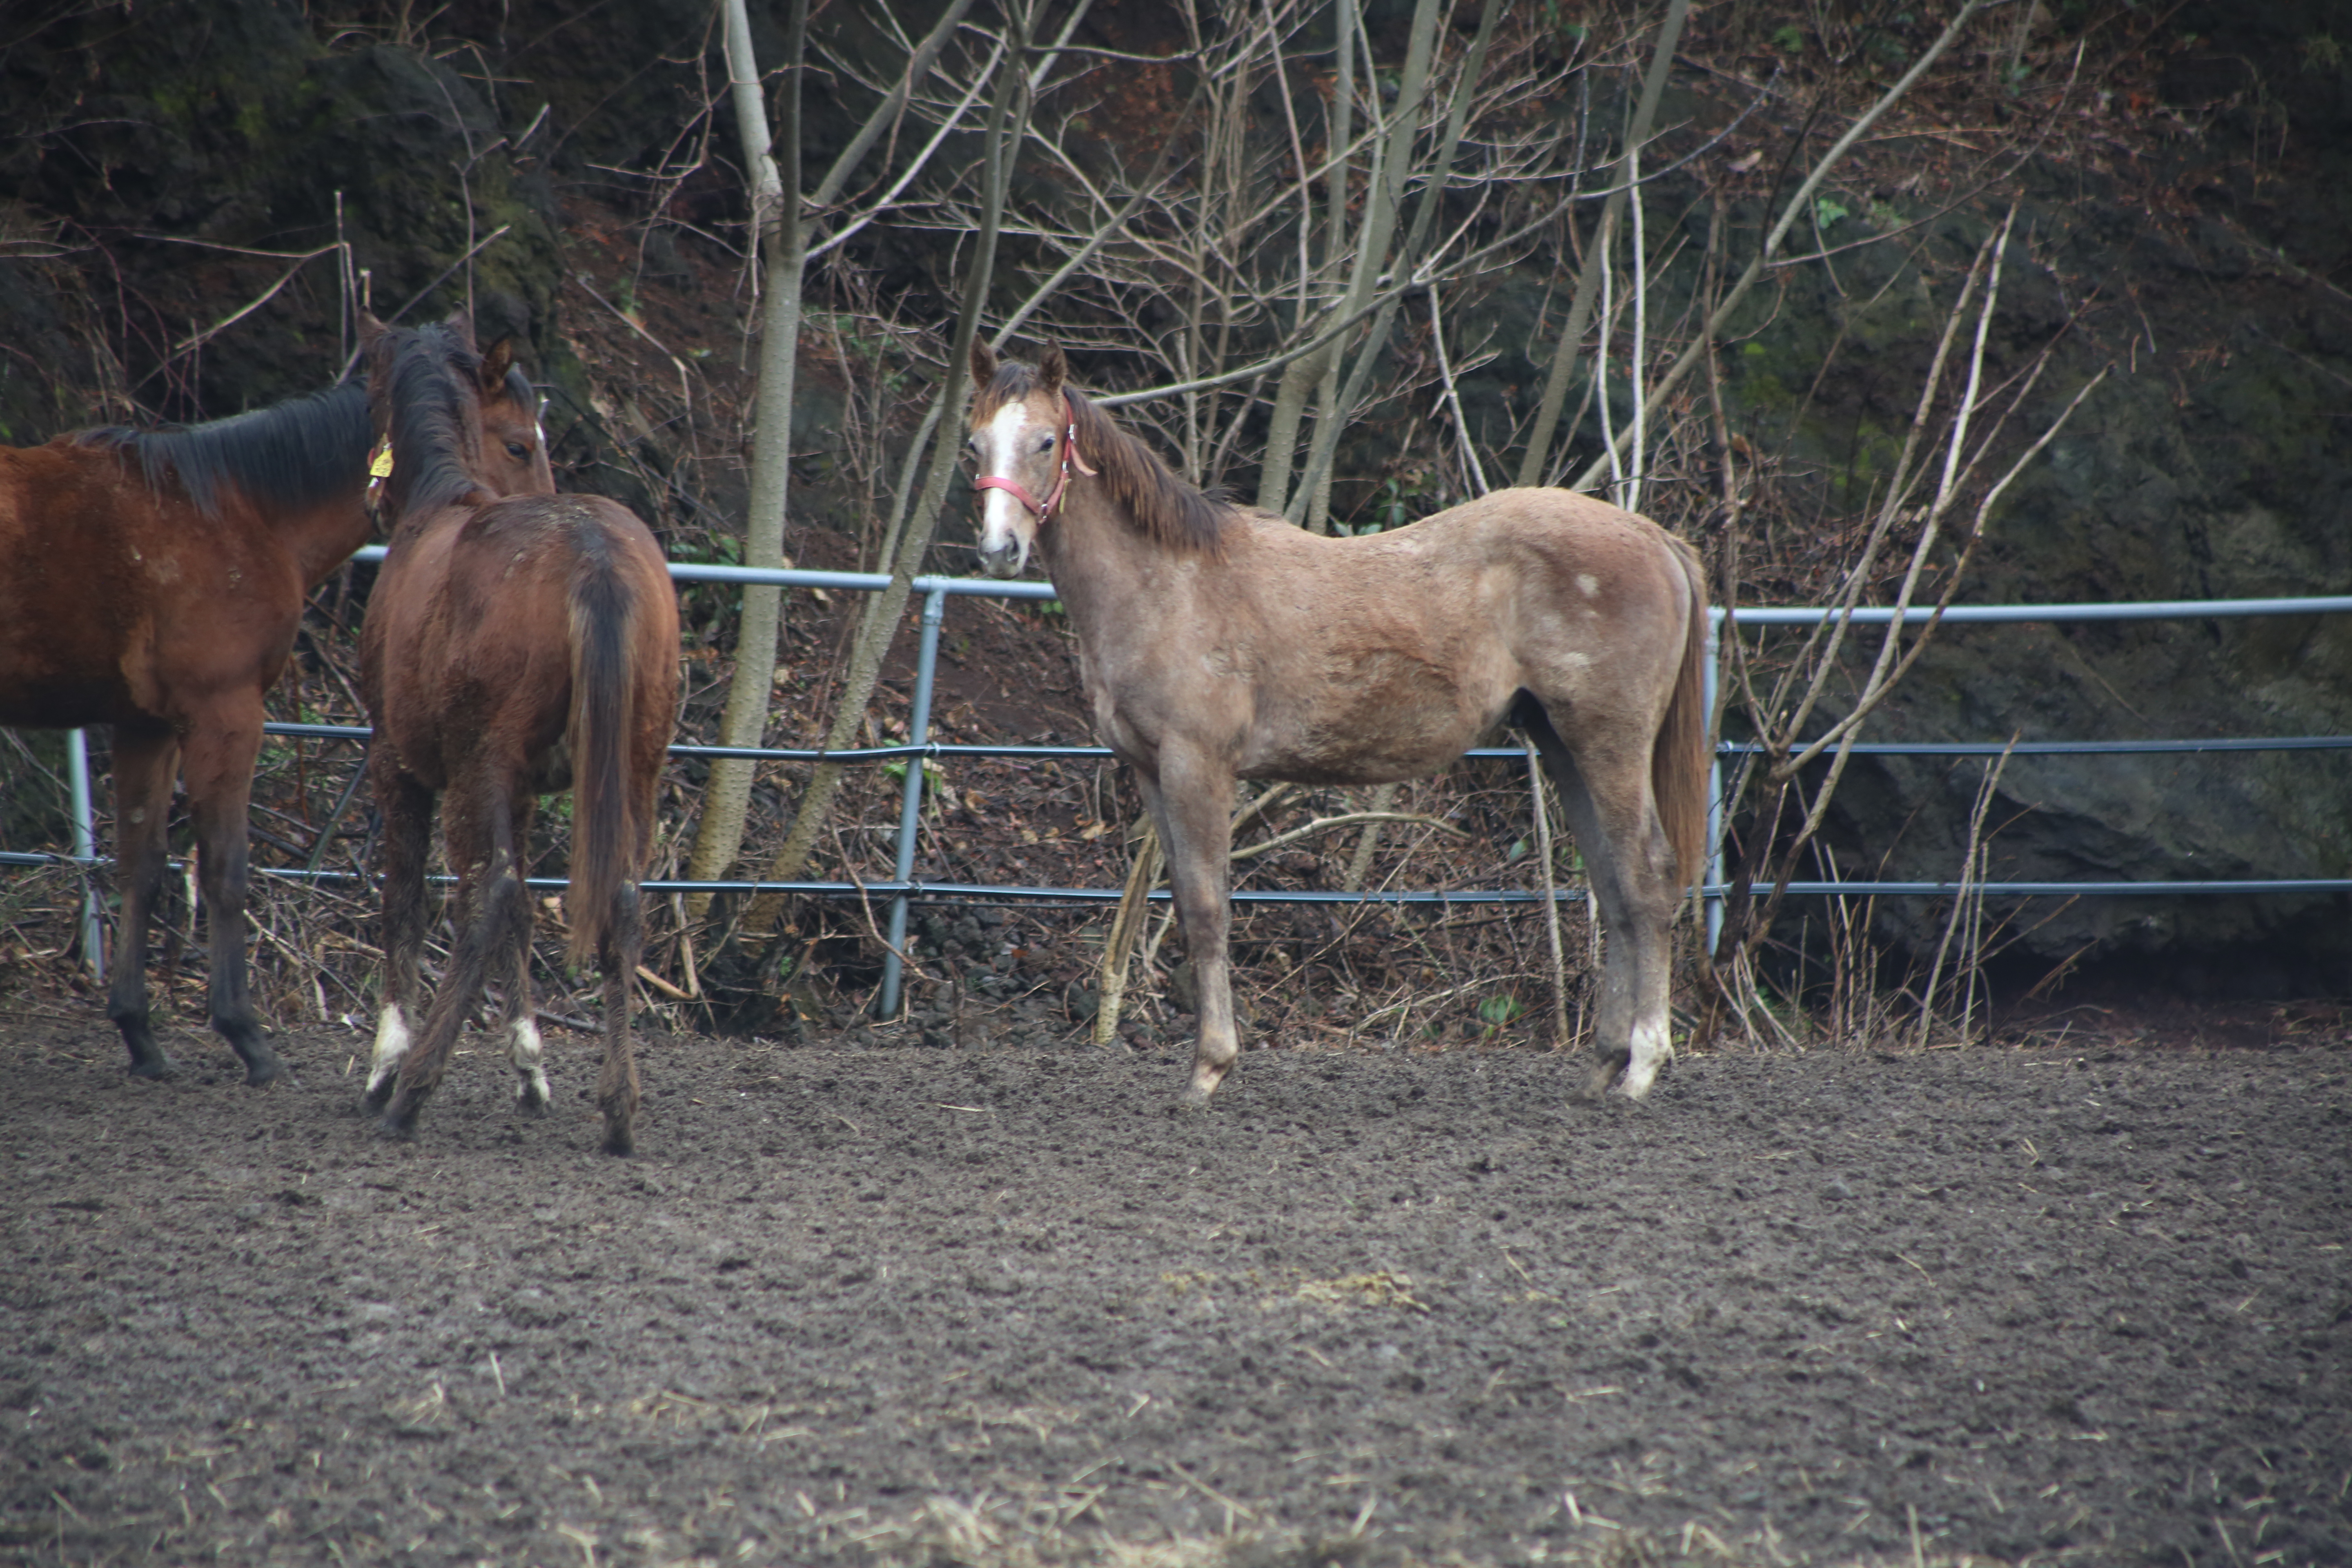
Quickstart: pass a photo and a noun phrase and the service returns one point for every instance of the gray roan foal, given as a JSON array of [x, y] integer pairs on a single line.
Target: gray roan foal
[[1220, 644]]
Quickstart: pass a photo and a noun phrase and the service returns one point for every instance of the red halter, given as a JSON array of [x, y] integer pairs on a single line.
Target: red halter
[[1070, 455]]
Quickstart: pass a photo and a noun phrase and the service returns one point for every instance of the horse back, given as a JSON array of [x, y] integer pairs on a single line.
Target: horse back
[[479, 603], [1383, 657], [119, 603]]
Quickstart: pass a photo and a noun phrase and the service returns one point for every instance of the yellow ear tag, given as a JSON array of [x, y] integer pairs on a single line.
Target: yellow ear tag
[[380, 464]]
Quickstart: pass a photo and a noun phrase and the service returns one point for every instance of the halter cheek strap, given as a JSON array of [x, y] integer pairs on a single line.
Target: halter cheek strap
[[1070, 455]]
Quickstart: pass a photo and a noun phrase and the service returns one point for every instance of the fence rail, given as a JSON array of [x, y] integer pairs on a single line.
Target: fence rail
[[904, 886]]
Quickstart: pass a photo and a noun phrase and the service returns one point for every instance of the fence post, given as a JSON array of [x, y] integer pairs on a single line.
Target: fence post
[[910, 809], [1712, 894], [85, 850]]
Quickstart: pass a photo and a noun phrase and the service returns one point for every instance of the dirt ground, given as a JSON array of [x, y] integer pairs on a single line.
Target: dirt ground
[[876, 1303]]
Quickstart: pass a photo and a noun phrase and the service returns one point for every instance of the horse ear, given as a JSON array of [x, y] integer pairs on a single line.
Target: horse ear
[[1051, 368], [497, 361], [983, 363], [370, 329]]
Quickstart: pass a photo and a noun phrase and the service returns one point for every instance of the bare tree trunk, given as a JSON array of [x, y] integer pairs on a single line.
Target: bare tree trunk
[[782, 243], [1579, 313], [878, 622], [1304, 375], [1316, 481], [1384, 196], [782, 239]]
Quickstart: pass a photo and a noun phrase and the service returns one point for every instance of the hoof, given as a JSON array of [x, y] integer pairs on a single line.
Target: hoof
[[378, 1096], [1604, 1078], [620, 1145], [265, 1068], [1205, 1079], [158, 1066], [395, 1128]]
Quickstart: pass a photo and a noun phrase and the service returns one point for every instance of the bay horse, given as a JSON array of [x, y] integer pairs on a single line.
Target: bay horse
[[514, 646], [153, 581], [1217, 643]]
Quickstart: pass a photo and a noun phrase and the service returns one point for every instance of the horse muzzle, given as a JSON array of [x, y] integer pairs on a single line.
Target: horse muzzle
[[1004, 560]]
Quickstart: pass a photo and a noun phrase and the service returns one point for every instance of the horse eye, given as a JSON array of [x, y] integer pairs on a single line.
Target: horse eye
[[517, 449], [1045, 444]]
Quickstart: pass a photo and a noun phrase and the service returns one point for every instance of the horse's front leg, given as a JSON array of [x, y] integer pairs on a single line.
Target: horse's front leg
[[218, 767], [1192, 802], [143, 765]]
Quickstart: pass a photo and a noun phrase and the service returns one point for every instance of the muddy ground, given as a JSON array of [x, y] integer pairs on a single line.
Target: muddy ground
[[997, 1306]]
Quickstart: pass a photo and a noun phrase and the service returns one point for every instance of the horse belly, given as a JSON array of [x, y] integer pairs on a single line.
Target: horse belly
[[35, 698], [1383, 717], [70, 613]]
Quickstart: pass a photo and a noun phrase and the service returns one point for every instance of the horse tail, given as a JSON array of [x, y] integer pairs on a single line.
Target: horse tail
[[604, 839], [1678, 759]]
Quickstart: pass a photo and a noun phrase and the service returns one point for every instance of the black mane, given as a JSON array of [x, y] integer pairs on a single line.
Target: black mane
[[294, 454], [428, 375]]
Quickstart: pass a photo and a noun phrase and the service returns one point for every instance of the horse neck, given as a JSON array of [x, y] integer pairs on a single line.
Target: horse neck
[[1102, 565], [322, 535]]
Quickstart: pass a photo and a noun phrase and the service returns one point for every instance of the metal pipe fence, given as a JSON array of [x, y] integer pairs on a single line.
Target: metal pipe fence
[[904, 887]]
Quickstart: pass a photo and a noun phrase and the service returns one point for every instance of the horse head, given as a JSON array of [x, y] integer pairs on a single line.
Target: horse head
[[470, 416], [1023, 446]]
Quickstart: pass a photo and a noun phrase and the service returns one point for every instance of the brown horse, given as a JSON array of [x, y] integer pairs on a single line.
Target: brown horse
[[1220, 644], [512, 647], [153, 581]]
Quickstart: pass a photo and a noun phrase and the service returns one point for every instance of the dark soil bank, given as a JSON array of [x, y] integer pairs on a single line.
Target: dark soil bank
[[930, 1306]]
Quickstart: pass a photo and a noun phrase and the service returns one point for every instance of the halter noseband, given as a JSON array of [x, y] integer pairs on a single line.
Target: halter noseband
[[1013, 488]]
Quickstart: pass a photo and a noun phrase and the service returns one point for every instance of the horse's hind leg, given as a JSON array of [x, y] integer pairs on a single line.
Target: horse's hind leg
[[475, 836], [617, 952], [523, 1047], [218, 767], [143, 765], [1607, 799], [407, 808]]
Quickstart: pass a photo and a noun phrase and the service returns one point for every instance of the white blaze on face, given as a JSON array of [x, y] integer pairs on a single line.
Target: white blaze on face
[[1004, 522], [392, 1044]]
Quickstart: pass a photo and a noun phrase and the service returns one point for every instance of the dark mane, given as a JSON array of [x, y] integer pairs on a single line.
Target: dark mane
[[425, 373], [295, 454], [1159, 504]]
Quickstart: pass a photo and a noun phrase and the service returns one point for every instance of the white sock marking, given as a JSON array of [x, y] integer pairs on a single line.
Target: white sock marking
[[524, 1051], [391, 1042], [1653, 1048]]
